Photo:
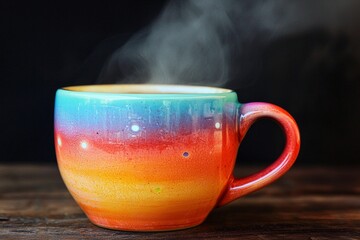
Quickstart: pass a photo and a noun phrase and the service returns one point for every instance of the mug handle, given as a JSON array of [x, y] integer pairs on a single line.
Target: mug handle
[[249, 113]]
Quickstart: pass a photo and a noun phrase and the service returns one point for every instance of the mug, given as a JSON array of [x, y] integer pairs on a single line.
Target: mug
[[141, 157]]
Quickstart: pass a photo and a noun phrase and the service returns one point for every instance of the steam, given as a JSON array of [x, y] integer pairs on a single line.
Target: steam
[[197, 41]]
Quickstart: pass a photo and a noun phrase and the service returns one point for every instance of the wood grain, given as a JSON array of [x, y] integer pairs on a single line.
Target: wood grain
[[307, 203]]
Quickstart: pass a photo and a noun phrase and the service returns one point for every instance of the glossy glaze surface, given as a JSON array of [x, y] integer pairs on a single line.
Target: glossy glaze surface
[[145, 162], [157, 160]]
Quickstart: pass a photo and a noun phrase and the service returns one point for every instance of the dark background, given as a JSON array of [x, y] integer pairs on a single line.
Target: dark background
[[314, 74]]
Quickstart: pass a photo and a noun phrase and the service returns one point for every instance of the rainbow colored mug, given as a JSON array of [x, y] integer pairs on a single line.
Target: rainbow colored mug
[[158, 157]]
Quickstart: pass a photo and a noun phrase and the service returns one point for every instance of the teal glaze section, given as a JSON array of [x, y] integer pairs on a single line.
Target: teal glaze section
[[85, 111]]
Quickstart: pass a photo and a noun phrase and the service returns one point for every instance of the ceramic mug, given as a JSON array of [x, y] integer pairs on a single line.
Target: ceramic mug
[[158, 157]]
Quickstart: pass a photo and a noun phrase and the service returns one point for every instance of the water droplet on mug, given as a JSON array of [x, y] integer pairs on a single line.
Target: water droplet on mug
[[185, 154], [84, 145], [59, 142], [217, 125], [135, 128]]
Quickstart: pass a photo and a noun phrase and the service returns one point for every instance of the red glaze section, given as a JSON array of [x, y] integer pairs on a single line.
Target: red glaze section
[[249, 113]]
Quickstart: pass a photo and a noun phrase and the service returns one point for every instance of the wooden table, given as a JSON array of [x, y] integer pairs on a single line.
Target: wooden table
[[307, 203]]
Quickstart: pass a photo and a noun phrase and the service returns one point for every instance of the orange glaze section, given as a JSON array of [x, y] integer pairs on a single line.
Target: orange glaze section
[[141, 186]]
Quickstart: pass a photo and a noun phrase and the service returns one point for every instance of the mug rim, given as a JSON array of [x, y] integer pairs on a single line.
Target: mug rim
[[146, 89]]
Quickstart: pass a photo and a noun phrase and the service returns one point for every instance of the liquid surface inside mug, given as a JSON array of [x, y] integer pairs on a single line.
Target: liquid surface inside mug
[[146, 157]]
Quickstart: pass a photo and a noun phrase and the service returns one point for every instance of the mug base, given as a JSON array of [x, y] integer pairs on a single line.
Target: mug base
[[150, 227]]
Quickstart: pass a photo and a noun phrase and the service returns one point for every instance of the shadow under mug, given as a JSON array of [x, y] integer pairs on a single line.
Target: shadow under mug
[[158, 157]]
